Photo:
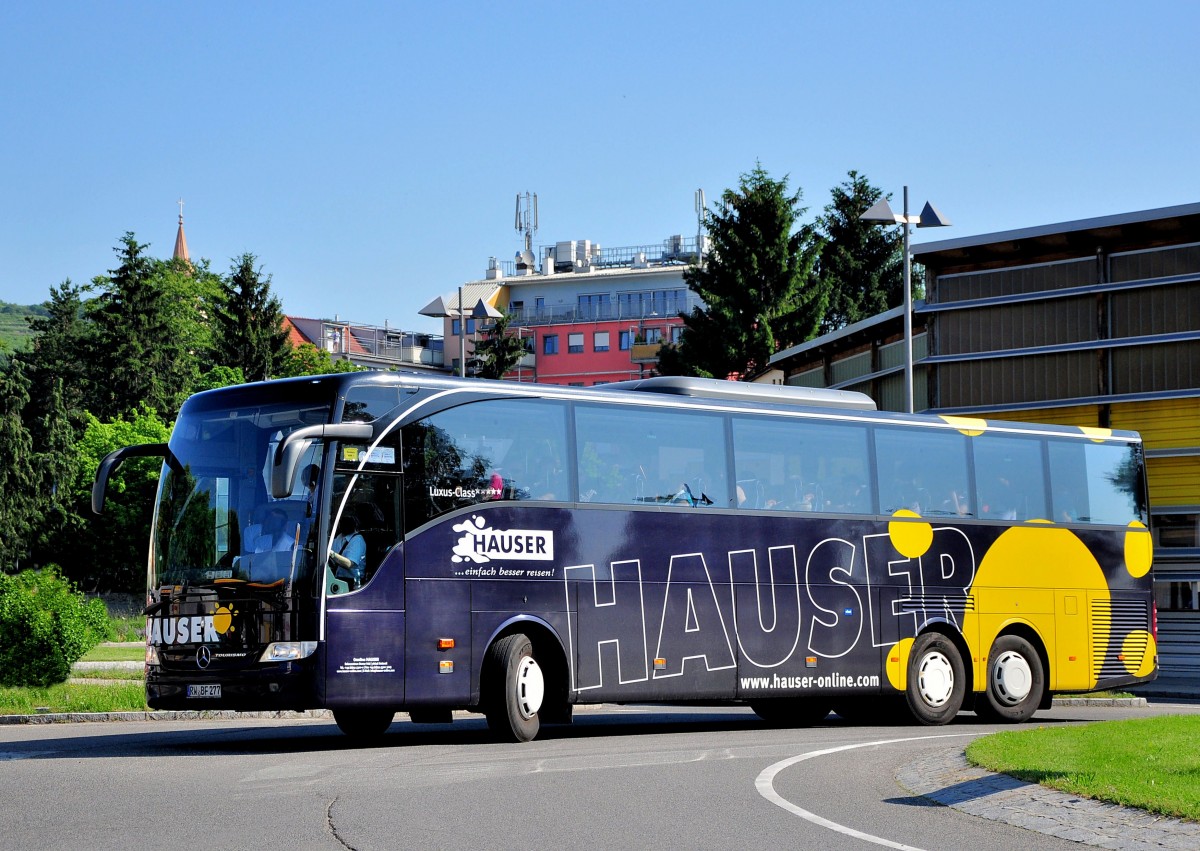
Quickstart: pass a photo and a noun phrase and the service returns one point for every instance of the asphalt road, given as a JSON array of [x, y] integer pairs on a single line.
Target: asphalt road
[[622, 777]]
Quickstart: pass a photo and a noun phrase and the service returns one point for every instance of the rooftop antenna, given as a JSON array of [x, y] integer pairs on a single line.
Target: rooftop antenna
[[700, 209], [526, 219]]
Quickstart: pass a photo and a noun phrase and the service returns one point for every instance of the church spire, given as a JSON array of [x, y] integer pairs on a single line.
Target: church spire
[[181, 250]]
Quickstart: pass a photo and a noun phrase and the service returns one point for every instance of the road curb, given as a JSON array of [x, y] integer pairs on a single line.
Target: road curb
[[326, 714], [163, 715]]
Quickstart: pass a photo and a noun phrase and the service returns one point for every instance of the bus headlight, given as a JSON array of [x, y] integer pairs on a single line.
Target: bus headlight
[[288, 651], [151, 655]]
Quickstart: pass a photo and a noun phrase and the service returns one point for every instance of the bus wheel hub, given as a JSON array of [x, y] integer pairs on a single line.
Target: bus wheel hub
[[1011, 678], [531, 687], [936, 679]]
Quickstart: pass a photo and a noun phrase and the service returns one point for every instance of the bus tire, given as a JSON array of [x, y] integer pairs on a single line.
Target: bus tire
[[363, 724], [791, 711], [517, 688], [1016, 682], [936, 679]]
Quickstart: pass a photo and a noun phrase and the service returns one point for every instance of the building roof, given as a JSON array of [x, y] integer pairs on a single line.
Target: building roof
[[1044, 243], [835, 337]]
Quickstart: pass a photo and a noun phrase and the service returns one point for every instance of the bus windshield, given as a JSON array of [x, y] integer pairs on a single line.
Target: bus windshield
[[215, 518]]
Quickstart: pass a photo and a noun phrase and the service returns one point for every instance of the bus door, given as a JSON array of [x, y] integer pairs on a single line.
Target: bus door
[[364, 593]]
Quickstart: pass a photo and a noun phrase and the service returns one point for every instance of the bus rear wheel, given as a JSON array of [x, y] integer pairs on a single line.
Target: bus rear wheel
[[936, 679], [791, 711], [1015, 682], [516, 689], [363, 724]]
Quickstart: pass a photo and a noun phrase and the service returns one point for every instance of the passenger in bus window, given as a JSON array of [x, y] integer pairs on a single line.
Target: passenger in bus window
[[1000, 502], [311, 476], [349, 551], [271, 535]]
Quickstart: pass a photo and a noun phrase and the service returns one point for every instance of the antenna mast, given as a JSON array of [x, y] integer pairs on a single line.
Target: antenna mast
[[700, 210], [526, 220]]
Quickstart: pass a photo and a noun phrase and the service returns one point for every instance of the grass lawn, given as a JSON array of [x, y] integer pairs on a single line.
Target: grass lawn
[[109, 674], [1151, 763], [71, 697], [127, 653]]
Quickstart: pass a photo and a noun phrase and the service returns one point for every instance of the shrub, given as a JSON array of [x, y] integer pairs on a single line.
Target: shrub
[[45, 627]]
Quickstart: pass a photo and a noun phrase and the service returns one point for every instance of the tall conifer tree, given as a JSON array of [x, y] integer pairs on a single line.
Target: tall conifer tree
[[758, 284], [249, 330]]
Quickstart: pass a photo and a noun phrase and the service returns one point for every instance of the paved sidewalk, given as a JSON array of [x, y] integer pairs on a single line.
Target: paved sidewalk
[[947, 778]]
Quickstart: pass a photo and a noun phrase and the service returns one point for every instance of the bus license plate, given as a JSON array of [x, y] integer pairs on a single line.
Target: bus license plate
[[204, 691]]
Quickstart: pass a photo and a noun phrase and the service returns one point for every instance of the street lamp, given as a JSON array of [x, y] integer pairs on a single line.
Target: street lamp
[[881, 211]]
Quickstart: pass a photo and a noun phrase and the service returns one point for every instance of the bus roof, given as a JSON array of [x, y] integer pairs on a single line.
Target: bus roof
[[700, 392], [741, 391]]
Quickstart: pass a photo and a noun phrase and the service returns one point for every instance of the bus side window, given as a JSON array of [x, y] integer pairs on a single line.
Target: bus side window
[[635, 456], [785, 464], [923, 470], [1096, 482], [1009, 478], [499, 449]]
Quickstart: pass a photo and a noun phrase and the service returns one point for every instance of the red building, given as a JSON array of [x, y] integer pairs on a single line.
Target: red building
[[591, 315]]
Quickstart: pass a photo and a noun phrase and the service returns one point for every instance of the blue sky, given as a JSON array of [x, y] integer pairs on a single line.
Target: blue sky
[[370, 153]]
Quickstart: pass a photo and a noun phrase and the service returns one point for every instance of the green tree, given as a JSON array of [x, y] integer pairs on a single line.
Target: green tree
[[59, 354], [758, 284], [861, 264], [499, 352], [110, 552], [18, 478], [307, 359], [56, 463], [138, 356], [248, 325], [194, 295]]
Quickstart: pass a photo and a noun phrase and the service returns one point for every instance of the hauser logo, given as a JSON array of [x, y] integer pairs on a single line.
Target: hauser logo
[[481, 544]]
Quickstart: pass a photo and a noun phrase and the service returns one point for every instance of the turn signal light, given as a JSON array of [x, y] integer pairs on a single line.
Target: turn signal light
[[445, 644]]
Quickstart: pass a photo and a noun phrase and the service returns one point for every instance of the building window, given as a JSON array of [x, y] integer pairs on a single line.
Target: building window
[[575, 343], [595, 306], [653, 335], [600, 341], [456, 324], [550, 344], [652, 303], [676, 334], [626, 340]]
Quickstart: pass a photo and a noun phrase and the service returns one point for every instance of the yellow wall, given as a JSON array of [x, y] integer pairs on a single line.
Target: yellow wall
[[1163, 424], [1077, 415], [1167, 424]]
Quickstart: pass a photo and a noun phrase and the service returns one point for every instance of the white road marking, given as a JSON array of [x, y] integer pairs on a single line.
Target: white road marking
[[765, 786]]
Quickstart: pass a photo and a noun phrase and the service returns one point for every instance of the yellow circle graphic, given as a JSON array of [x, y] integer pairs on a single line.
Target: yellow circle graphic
[[1139, 549], [223, 619], [1139, 661], [1014, 576], [970, 426], [910, 539], [896, 663]]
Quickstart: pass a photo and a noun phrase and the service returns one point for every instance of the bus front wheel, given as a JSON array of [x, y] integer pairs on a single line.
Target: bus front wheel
[[363, 724], [936, 679], [517, 688], [1015, 682]]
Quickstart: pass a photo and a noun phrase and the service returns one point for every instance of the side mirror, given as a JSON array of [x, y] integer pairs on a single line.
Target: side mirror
[[291, 449], [113, 460]]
